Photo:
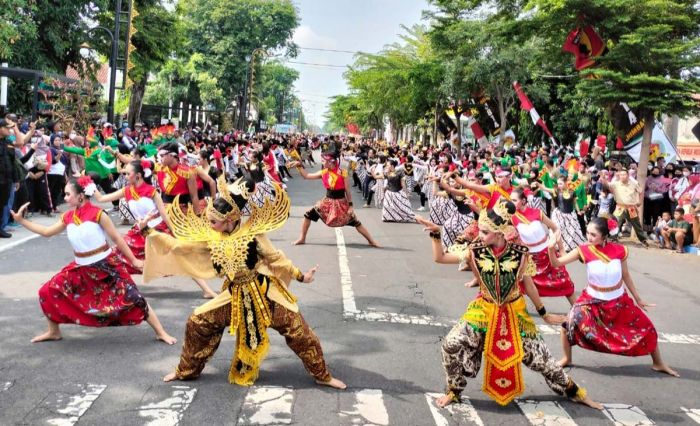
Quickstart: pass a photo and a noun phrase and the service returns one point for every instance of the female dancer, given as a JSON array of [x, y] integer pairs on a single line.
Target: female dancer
[[255, 292], [565, 214], [533, 227], [397, 207], [95, 289], [441, 206], [457, 223], [148, 209], [335, 209], [496, 323], [604, 318]]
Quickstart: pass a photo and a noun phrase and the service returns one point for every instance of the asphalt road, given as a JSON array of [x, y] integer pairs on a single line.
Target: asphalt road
[[380, 315]]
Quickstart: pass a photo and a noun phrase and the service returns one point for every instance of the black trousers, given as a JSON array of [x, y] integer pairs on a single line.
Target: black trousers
[[56, 185], [39, 195]]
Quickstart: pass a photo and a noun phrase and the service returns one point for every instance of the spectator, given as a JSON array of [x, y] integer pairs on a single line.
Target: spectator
[[661, 224], [677, 231], [9, 174], [628, 197]]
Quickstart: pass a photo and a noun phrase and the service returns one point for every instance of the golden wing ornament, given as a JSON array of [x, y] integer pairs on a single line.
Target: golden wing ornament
[[187, 226], [271, 216]]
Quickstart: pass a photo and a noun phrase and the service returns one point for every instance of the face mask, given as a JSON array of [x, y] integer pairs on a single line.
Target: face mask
[[655, 174]]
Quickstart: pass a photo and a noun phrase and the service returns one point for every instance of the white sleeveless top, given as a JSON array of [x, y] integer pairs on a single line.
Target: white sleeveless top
[[85, 233]]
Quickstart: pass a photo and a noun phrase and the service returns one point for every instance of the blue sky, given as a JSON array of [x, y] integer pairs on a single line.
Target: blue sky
[[358, 25]]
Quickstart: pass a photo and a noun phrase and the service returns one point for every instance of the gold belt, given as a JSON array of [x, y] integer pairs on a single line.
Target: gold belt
[[606, 289], [98, 250], [514, 295]]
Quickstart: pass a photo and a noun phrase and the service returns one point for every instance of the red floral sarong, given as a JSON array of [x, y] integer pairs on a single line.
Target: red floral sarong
[[97, 295], [616, 326], [551, 281], [334, 212]]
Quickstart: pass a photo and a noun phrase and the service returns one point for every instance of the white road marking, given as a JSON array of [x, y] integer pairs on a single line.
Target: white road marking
[[349, 306], [267, 405], [5, 386], [463, 413], [626, 415], [351, 312], [544, 413], [76, 405], [369, 409], [16, 243], [693, 413], [169, 411]]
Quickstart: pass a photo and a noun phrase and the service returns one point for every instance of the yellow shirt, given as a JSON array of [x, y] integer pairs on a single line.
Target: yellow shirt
[[626, 194]]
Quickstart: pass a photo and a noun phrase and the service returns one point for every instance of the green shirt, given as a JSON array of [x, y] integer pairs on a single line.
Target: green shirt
[[681, 224]]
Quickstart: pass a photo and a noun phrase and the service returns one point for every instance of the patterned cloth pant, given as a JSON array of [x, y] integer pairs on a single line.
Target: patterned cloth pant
[[462, 351], [204, 331]]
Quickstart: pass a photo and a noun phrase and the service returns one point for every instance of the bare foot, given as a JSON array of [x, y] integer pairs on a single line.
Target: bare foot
[[588, 401], [209, 295], [664, 368], [564, 362], [334, 383], [47, 337], [165, 337], [444, 401], [472, 283], [375, 244], [170, 377], [299, 242]]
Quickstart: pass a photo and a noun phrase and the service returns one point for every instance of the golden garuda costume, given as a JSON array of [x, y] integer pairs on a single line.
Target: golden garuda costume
[[497, 323], [255, 292]]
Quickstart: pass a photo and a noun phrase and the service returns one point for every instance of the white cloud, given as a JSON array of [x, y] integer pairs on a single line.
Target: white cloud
[[306, 37]]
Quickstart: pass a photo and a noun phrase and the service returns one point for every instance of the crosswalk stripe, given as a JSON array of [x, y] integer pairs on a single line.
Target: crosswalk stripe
[[76, 405], [169, 411], [267, 405], [545, 413], [693, 413], [626, 415], [369, 409], [461, 414]]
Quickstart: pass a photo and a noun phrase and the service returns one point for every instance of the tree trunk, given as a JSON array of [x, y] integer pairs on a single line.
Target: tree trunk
[[500, 99], [644, 153], [433, 142], [138, 89]]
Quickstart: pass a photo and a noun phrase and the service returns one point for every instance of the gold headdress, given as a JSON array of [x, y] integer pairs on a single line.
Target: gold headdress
[[226, 191], [500, 209]]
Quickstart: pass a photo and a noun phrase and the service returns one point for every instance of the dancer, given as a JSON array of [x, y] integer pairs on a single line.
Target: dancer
[[456, 223], [533, 227], [565, 214], [604, 318], [496, 323], [95, 289], [397, 206], [255, 292], [176, 179], [148, 209], [335, 209]]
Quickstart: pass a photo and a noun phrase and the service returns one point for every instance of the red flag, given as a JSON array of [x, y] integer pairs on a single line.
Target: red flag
[[583, 148], [586, 45], [479, 134], [353, 128], [526, 105]]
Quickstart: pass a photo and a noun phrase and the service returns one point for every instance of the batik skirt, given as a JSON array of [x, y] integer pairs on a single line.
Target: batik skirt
[[454, 227], [101, 294], [551, 281], [615, 326], [570, 229], [441, 209], [333, 212], [262, 191], [397, 208]]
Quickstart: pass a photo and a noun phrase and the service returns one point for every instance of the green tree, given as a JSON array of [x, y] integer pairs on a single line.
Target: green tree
[[653, 58], [273, 90]]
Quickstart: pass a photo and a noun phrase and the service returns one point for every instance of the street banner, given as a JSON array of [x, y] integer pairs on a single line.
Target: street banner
[[476, 130], [631, 130], [526, 105], [586, 45], [487, 114]]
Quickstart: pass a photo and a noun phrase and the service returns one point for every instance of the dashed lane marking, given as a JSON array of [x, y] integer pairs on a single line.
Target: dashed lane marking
[[267, 405], [544, 413], [626, 415], [169, 411], [351, 312], [73, 407], [368, 409], [693, 413], [462, 413]]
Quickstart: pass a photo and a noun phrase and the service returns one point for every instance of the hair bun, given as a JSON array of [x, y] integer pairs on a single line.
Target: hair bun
[[510, 207]]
